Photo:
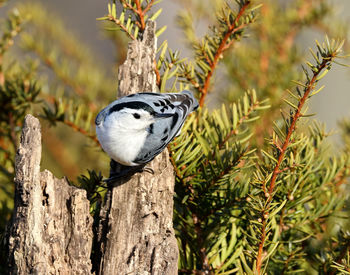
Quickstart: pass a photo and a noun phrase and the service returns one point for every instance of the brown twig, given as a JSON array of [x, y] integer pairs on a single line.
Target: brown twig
[[292, 126], [310, 86], [222, 47], [202, 250], [345, 250], [140, 12], [117, 21]]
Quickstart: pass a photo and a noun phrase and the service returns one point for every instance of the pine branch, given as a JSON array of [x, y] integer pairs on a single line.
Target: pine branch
[[121, 25], [132, 19], [328, 53], [141, 12], [345, 252], [233, 132], [223, 46], [205, 169]]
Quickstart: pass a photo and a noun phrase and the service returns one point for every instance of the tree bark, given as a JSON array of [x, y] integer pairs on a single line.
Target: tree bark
[[136, 233], [51, 227]]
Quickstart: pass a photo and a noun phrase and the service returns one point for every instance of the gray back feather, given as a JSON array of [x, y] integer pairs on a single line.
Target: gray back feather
[[163, 130]]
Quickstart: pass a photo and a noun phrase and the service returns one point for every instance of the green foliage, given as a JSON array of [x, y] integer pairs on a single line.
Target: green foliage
[[228, 29], [213, 158], [259, 189], [243, 202], [132, 17], [95, 188]]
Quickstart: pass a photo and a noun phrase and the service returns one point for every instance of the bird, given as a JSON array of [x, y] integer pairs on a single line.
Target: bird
[[134, 129]]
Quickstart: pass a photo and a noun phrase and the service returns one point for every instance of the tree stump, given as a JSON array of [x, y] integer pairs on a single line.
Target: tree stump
[[51, 227], [138, 213]]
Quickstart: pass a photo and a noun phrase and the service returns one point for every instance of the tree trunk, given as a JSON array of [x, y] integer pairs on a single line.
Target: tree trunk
[[51, 228], [138, 213]]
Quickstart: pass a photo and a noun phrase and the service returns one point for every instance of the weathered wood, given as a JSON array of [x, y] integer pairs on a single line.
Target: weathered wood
[[51, 227], [136, 233]]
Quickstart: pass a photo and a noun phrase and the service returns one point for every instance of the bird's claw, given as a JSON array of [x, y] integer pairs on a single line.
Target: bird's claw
[[124, 172], [148, 169]]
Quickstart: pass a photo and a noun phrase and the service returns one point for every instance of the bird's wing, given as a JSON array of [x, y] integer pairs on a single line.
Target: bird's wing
[[163, 130]]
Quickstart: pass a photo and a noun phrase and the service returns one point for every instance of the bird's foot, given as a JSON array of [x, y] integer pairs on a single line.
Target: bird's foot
[[119, 172], [148, 170]]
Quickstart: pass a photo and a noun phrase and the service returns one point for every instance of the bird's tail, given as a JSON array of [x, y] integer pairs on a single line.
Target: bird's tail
[[194, 104]]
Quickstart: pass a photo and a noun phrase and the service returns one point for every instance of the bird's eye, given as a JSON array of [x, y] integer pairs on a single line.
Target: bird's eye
[[137, 116]]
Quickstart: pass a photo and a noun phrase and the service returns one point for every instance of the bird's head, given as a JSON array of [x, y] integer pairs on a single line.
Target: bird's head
[[138, 119]]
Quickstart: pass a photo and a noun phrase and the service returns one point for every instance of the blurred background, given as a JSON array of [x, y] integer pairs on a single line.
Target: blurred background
[[79, 16], [58, 62]]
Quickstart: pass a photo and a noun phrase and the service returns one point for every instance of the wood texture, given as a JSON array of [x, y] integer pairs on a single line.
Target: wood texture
[[51, 227], [136, 233]]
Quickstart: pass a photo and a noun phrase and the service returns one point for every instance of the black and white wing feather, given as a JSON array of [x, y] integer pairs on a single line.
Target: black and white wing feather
[[163, 130]]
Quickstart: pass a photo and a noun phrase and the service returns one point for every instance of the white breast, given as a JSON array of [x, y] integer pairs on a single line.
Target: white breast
[[120, 143]]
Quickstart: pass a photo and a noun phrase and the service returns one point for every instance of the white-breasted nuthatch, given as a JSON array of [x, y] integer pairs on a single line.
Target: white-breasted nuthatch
[[134, 129]]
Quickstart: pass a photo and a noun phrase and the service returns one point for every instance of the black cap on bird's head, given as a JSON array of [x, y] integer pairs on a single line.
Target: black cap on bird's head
[[137, 105]]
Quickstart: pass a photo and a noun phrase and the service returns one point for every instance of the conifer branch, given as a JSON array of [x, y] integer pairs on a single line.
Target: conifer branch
[[135, 22], [120, 25], [233, 132], [141, 13], [328, 56], [224, 45], [310, 86]]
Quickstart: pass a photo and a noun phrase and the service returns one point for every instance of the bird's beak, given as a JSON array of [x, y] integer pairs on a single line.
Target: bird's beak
[[158, 115]]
